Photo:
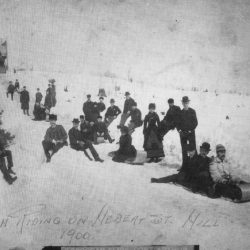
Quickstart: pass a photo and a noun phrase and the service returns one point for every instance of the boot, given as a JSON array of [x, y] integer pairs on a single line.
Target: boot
[[153, 180], [99, 159]]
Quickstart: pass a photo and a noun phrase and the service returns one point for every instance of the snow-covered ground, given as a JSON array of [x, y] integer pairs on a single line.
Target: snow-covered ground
[[156, 50], [73, 187]]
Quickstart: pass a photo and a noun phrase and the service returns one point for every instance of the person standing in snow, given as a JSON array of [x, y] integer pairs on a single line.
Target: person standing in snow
[[87, 108], [112, 112], [126, 149], [55, 138], [152, 141], [7, 171], [101, 105], [78, 143], [39, 96], [53, 92], [10, 90], [25, 99], [136, 120], [186, 127], [129, 102], [222, 174], [171, 119], [48, 103], [17, 85], [100, 130]]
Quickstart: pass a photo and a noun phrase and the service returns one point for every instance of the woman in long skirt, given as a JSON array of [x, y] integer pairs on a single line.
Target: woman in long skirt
[[152, 140]]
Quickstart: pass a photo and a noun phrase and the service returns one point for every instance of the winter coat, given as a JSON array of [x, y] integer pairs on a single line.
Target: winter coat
[[57, 133], [221, 171], [188, 120], [87, 131], [173, 116], [151, 121], [39, 97], [39, 113], [100, 127], [101, 106], [126, 147], [87, 109], [24, 99], [11, 88], [136, 117], [128, 105], [48, 100], [112, 111], [75, 136]]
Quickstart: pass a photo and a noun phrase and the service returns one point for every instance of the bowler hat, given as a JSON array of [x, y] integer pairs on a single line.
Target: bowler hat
[[170, 100], [151, 106], [220, 148], [75, 120], [127, 93], [206, 146], [112, 100], [52, 117], [185, 99], [88, 95]]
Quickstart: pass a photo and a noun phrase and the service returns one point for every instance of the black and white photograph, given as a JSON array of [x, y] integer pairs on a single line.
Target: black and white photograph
[[124, 124]]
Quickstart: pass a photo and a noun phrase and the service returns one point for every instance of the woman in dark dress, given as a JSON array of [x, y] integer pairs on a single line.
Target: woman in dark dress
[[126, 150], [152, 140]]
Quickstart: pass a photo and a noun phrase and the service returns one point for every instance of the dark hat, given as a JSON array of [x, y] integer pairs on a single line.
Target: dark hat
[[37, 89], [101, 97], [127, 93], [52, 80], [220, 148], [151, 106], [112, 100], [88, 95], [124, 129], [190, 147], [206, 146], [52, 117], [81, 116], [170, 100], [24, 87], [99, 116], [185, 99], [75, 120]]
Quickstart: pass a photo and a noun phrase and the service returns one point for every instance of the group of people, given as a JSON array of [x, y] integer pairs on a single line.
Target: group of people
[[198, 172]]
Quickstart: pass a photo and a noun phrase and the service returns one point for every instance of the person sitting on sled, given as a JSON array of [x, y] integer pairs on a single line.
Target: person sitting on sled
[[126, 150], [55, 138], [78, 143]]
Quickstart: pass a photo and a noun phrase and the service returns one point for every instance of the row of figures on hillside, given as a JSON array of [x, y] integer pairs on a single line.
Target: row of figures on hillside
[[40, 110]]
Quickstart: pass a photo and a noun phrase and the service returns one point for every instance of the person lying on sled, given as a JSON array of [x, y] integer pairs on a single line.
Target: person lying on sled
[[126, 150]]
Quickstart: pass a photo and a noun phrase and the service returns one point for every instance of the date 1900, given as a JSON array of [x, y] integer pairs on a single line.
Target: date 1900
[[74, 235]]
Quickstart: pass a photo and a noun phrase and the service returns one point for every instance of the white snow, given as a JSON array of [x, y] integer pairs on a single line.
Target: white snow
[[105, 44]]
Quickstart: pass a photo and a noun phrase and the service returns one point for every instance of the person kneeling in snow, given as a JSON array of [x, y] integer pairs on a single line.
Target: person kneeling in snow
[[126, 150], [78, 143], [221, 173], [100, 130], [55, 138]]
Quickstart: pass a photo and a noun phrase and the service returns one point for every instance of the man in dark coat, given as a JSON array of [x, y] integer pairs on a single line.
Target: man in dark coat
[[186, 127], [10, 90], [94, 112], [126, 150], [39, 112], [129, 102], [48, 103], [17, 85], [7, 171], [100, 129], [86, 129], [87, 108], [55, 138], [78, 143], [25, 99], [53, 92], [101, 105], [171, 119], [136, 120], [39, 96], [112, 112]]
